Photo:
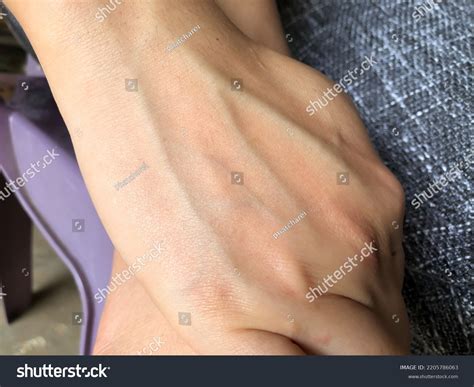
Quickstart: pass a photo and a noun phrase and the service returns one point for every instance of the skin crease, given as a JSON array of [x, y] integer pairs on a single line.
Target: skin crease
[[219, 261]]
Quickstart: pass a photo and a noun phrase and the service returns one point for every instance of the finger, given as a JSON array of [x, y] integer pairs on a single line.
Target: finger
[[338, 325], [255, 342]]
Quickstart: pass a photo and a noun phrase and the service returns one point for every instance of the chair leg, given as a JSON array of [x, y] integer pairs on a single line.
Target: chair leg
[[15, 255]]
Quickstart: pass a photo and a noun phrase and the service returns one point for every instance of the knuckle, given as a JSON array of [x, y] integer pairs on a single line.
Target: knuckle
[[212, 297], [394, 192], [362, 232]]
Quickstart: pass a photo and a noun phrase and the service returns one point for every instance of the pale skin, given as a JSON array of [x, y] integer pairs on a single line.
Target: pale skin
[[244, 289]]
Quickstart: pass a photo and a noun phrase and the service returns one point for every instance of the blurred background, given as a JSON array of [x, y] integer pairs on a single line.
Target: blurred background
[[48, 326]]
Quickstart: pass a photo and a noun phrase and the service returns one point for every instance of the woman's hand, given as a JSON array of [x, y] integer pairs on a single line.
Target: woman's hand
[[229, 166]]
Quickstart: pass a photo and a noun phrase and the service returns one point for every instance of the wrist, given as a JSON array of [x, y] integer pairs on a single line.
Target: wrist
[[133, 30]]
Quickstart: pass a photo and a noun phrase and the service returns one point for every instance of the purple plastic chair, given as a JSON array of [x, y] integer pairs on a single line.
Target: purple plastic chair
[[55, 199]]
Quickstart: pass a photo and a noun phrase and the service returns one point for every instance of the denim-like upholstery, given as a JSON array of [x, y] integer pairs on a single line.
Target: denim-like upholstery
[[417, 105]]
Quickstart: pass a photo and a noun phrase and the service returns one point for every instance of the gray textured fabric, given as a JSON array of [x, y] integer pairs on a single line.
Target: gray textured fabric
[[416, 104]]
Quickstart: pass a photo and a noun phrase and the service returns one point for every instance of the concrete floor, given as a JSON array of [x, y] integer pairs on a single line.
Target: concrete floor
[[47, 326]]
